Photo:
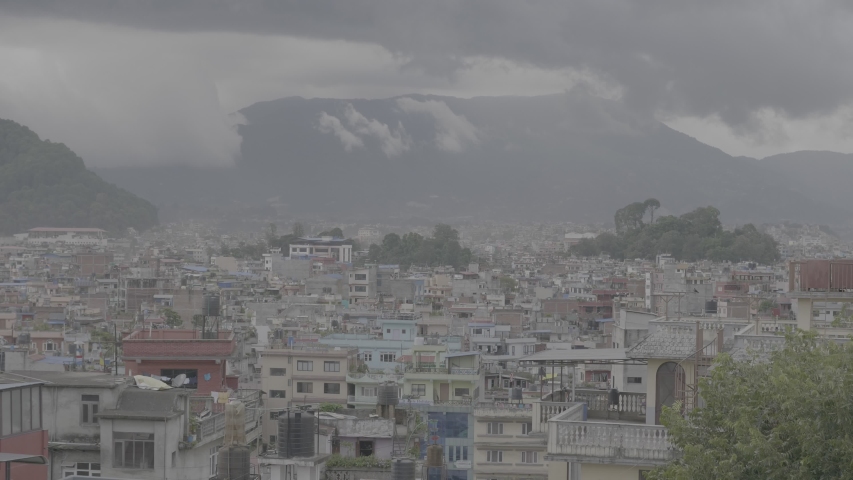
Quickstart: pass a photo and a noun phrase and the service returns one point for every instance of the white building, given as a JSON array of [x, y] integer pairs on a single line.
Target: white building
[[69, 236], [328, 247]]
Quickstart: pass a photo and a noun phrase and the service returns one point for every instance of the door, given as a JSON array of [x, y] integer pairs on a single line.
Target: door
[[669, 382], [444, 392]]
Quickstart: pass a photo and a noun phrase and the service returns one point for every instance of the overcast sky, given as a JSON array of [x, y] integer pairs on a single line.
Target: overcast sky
[[157, 81]]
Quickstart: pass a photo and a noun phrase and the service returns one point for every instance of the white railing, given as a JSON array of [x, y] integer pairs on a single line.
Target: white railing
[[609, 442]]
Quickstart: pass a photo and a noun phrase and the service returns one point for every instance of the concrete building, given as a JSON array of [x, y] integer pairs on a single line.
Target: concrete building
[[169, 353], [505, 445], [67, 236], [301, 375], [338, 248], [70, 404]]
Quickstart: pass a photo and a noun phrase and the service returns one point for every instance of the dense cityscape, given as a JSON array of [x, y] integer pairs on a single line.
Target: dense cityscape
[[426, 240]]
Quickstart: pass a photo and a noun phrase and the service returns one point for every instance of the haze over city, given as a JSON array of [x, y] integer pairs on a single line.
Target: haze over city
[[450, 240]]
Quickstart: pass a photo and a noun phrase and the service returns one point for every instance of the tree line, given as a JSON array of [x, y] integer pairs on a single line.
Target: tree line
[[694, 236], [442, 248]]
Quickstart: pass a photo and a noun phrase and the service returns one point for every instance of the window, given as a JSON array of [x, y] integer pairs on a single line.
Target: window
[[368, 391], [404, 331], [387, 330], [83, 469], [304, 387], [529, 457], [419, 389], [461, 392], [277, 394], [305, 366], [635, 379], [456, 453], [273, 438], [599, 376], [495, 456], [526, 428], [367, 356], [360, 288], [388, 357], [278, 372], [331, 366], [361, 276], [89, 408], [192, 375], [48, 346], [365, 448], [496, 428], [133, 450], [274, 415], [332, 388]]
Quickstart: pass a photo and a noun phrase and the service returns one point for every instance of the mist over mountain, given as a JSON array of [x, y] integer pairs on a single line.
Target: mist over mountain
[[558, 157]]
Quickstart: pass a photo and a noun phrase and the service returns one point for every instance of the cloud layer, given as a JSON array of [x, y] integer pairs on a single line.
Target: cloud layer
[[393, 142], [453, 132], [751, 73]]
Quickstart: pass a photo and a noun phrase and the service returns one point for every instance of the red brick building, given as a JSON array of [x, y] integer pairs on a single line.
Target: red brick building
[[169, 353]]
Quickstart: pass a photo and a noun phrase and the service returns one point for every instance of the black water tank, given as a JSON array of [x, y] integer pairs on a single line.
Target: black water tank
[[233, 463], [296, 431], [613, 396], [516, 394], [711, 306], [387, 394], [210, 306], [402, 469]]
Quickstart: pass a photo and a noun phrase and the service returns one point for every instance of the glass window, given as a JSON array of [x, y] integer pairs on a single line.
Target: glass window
[[277, 394], [332, 388], [331, 366], [419, 389], [16, 410], [278, 372], [304, 387], [6, 414], [461, 392], [133, 450], [88, 410], [495, 456], [304, 366], [26, 409], [496, 428], [456, 425]]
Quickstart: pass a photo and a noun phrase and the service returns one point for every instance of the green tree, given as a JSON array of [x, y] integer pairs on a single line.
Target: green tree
[[298, 230], [173, 319], [785, 418], [651, 205], [586, 247], [335, 232]]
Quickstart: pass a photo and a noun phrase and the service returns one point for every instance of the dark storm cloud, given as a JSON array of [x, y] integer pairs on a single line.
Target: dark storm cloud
[[699, 58]]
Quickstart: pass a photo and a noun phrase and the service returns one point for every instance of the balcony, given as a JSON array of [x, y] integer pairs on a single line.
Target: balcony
[[571, 439], [351, 399]]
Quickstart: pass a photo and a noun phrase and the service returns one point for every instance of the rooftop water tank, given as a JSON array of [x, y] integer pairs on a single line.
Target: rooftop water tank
[[296, 432], [233, 462]]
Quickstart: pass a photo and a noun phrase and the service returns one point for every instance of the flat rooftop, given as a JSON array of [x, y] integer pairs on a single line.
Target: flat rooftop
[[75, 379]]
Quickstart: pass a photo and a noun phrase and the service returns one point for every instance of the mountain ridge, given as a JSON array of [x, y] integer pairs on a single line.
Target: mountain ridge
[[44, 183], [557, 157]]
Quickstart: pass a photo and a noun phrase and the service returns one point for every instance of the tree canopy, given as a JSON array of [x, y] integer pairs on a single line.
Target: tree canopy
[[45, 184], [786, 418], [414, 249], [696, 235]]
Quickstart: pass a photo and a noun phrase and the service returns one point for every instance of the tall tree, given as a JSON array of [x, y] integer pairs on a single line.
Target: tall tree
[[651, 205], [788, 417], [298, 230]]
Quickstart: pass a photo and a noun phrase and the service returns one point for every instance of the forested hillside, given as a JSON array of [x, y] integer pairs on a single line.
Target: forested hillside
[[43, 183]]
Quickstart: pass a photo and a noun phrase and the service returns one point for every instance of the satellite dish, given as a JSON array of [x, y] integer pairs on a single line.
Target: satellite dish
[[178, 381]]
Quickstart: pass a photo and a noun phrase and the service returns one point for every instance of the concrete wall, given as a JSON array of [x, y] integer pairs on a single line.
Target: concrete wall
[[61, 412]]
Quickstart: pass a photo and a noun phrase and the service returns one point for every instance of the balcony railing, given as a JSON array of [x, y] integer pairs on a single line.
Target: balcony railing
[[572, 439], [214, 425], [630, 406]]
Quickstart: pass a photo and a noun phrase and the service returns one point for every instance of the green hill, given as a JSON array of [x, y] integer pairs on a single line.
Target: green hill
[[45, 184]]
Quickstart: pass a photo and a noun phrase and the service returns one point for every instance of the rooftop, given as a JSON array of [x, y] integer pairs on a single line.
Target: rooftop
[[135, 403], [75, 379]]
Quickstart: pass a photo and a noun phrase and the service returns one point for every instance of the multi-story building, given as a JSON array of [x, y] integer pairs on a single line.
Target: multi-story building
[[338, 248], [362, 284], [300, 375], [169, 353], [505, 446]]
